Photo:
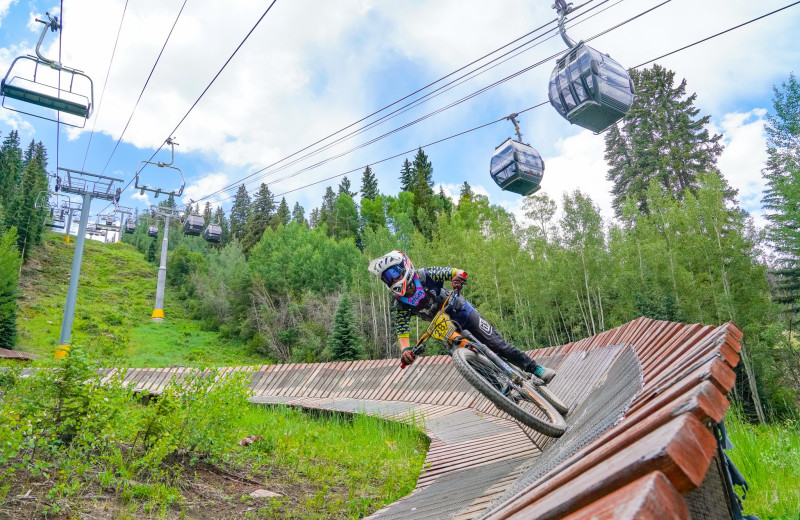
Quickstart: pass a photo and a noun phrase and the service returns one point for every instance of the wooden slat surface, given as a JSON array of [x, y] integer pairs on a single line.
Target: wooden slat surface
[[636, 469]]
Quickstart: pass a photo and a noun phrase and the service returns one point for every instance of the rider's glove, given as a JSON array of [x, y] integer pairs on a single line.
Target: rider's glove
[[407, 357], [459, 279]]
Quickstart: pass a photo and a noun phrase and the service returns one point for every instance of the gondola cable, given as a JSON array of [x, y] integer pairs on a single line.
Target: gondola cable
[[527, 109], [413, 104], [446, 107], [105, 83], [230, 58], [158, 58], [235, 184]]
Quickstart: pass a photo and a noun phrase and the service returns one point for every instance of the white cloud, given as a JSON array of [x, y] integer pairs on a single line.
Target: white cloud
[[5, 5], [143, 197], [453, 191], [203, 186], [579, 165], [744, 156]]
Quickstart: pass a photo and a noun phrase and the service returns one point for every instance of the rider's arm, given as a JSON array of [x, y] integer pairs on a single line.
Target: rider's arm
[[446, 274], [402, 322], [440, 274], [404, 342]]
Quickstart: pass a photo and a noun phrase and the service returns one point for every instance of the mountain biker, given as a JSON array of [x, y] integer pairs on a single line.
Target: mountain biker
[[420, 292]]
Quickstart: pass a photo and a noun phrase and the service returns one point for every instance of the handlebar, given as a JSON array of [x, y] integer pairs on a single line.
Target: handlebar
[[420, 346]]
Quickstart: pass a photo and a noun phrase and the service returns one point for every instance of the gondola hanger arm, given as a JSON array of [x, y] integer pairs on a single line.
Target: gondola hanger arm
[[513, 119], [52, 24], [563, 8]]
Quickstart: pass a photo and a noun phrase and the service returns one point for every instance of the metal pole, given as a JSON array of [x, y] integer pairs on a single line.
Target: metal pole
[[74, 277], [121, 223], [68, 224], [158, 312]]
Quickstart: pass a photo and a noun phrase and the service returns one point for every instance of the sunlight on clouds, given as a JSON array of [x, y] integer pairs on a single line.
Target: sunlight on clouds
[[579, 165], [203, 186], [744, 156], [143, 197]]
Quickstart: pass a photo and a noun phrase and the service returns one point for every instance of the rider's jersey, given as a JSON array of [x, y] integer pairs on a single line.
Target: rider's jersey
[[433, 295]]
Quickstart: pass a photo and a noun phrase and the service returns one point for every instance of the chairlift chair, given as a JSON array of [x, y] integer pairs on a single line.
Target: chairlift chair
[[68, 91], [516, 166], [157, 190], [152, 231], [213, 233], [588, 88]]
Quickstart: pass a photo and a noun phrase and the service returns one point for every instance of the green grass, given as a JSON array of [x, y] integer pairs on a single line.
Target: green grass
[[67, 439], [112, 318], [769, 458], [370, 462]]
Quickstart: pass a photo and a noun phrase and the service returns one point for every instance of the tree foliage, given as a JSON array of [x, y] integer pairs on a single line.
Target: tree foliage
[[661, 138], [9, 279], [344, 343]]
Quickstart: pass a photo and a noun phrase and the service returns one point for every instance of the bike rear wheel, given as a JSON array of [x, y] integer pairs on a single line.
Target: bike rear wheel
[[522, 402]]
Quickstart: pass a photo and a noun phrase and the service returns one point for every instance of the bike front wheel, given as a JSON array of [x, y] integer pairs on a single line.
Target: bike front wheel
[[521, 401]]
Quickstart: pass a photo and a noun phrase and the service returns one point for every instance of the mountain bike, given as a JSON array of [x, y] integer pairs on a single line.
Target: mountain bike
[[524, 397]]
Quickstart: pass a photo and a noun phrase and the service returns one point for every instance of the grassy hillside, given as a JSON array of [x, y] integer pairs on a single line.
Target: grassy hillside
[[112, 318]]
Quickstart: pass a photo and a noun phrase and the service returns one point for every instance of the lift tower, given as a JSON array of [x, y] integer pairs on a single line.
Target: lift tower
[[122, 210], [166, 213], [88, 186]]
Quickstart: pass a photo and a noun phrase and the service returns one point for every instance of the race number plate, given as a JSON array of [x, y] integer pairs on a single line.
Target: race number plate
[[440, 326]]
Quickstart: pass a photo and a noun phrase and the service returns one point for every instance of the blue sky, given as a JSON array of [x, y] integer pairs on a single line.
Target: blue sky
[[311, 68]]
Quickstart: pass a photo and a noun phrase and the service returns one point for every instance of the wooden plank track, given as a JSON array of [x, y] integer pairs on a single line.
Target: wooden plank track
[[642, 398]]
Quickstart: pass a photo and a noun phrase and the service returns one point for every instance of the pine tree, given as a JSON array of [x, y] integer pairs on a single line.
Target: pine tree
[[282, 216], [344, 343], [423, 167], [240, 211], [219, 218], [326, 212], [369, 184], [28, 219], [10, 169], [421, 186], [299, 215], [151, 251], [782, 197], [344, 187], [465, 195], [313, 218], [345, 218], [170, 202], [260, 216], [207, 213], [41, 154], [405, 176], [660, 138], [9, 280]]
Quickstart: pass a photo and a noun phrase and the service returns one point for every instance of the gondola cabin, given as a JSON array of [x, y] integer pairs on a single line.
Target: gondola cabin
[[213, 233], [589, 89], [152, 231], [130, 226], [193, 225], [517, 167]]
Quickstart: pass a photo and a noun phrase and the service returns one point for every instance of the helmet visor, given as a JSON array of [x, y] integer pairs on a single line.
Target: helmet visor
[[391, 274]]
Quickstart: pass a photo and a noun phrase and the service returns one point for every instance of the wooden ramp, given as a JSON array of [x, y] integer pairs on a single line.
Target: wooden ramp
[[644, 401]]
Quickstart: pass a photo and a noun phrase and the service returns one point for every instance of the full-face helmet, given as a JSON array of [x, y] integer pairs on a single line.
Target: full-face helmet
[[395, 270]]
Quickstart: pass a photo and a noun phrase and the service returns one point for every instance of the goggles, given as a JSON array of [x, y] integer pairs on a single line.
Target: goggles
[[391, 274]]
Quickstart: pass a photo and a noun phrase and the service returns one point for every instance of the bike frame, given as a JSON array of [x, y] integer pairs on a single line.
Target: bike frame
[[445, 330]]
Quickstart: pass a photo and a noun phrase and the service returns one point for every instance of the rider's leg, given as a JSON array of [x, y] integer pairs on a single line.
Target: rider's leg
[[488, 335]]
